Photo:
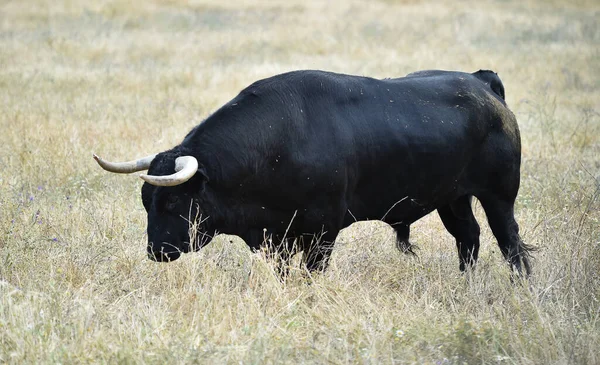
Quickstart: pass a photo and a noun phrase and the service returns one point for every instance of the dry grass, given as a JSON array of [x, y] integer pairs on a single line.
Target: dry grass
[[124, 80]]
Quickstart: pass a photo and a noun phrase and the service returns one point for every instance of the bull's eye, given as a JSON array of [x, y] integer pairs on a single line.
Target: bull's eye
[[172, 201]]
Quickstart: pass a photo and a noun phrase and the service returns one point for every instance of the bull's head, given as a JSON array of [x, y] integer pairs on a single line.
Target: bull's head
[[171, 195]]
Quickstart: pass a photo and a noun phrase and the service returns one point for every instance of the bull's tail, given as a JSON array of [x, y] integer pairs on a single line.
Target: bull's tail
[[491, 79]]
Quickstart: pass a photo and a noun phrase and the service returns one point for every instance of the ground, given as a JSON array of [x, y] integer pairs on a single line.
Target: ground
[[125, 79]]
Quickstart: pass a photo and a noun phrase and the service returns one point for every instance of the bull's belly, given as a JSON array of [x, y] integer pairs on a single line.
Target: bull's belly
[[395, 213], [397, 206]]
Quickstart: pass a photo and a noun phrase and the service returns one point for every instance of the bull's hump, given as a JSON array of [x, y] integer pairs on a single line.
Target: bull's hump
[[304, 82]]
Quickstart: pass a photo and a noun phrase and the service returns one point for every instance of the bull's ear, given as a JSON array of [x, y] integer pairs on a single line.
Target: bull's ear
[[202, 176], [199, 181], [202, 173]]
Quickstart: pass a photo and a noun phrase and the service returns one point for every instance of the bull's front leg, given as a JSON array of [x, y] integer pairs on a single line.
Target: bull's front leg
[[278, 250], [318, 250]]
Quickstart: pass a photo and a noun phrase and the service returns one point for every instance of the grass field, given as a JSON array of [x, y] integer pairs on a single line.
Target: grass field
[[125, 80]]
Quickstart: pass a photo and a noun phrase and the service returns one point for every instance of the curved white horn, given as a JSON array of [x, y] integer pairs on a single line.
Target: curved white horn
[[185, 168], [125, 167]]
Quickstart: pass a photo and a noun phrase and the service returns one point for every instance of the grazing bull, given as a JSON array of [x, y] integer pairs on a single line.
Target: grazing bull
[[308, 153]]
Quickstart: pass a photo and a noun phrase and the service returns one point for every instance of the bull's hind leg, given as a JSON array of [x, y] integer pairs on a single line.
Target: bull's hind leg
[[500, 214], [402, 239], [459, 221]]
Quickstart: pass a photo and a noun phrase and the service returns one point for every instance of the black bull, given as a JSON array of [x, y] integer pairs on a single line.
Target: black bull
[[308, 153]]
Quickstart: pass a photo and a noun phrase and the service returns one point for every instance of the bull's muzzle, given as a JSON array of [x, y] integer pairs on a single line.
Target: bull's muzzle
[[163, 253]]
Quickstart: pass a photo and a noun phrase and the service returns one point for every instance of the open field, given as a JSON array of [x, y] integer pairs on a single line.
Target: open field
[[124, 80]]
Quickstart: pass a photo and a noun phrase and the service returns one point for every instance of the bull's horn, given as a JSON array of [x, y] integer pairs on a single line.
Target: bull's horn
[[185, 168], [125, 167]]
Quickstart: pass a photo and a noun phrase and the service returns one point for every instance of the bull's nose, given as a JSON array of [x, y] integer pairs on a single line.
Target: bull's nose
[[158, 254]]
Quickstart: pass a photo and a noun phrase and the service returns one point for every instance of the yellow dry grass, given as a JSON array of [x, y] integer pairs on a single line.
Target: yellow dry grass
[[124, 79]]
